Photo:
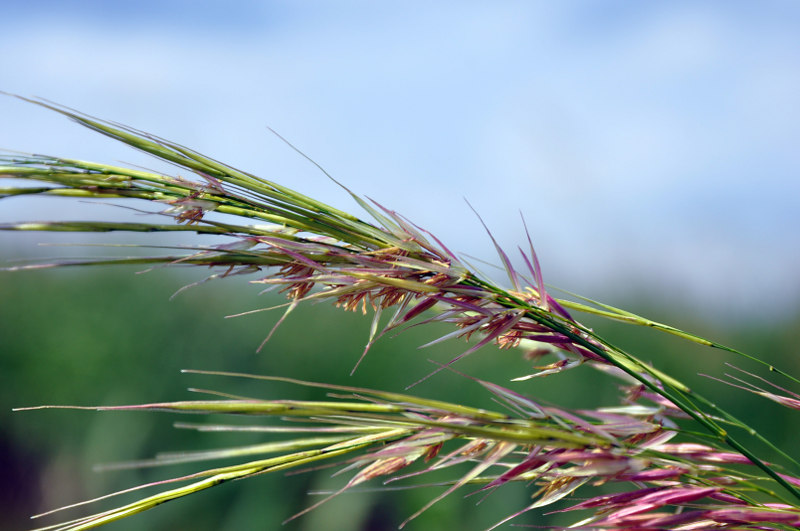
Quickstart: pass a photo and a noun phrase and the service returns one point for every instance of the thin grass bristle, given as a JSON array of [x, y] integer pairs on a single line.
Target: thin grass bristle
[[676, 459]]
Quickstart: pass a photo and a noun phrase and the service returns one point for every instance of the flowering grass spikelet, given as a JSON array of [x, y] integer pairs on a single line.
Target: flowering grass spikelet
[[674, 459]]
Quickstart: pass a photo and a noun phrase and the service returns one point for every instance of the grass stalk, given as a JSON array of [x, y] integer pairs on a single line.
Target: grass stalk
[[315, 252]]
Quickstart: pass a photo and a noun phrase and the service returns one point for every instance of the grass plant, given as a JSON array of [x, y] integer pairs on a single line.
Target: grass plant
[[671, 457]]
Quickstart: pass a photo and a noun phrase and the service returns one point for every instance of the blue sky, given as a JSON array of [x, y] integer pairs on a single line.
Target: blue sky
[[651, 146]]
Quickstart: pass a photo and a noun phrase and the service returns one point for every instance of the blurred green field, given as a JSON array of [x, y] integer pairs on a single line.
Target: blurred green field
[[102, 337]]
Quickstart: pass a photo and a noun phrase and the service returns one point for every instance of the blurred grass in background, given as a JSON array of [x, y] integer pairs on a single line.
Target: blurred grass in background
[[103, 337]]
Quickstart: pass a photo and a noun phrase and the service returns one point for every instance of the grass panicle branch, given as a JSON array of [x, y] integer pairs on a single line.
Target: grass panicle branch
[[556, 449], [312, 251]]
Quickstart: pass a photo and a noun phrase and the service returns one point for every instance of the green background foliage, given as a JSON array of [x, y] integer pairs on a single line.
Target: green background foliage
[[101, 337]]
